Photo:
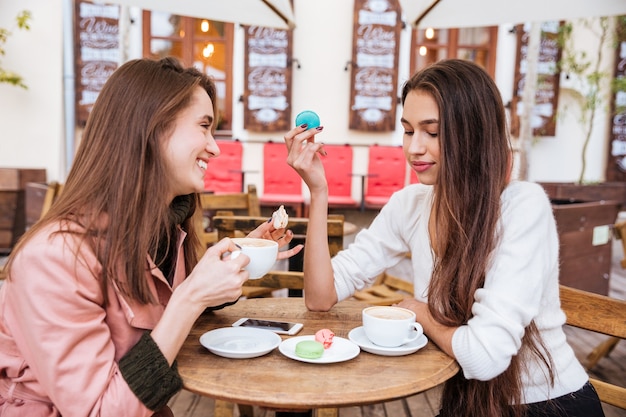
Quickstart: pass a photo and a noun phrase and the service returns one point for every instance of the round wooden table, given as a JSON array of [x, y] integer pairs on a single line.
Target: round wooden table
[[276, 381]]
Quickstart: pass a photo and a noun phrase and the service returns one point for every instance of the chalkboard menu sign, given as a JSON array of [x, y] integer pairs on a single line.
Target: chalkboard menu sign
[[267, 85], [543, 119], [96, 39], [376, 42], [616, 168]]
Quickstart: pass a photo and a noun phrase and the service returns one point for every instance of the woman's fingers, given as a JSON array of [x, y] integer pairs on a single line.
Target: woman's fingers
[[285, 254], [297, 139]]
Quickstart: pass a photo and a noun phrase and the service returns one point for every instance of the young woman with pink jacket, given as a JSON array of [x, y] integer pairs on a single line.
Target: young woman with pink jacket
[[102, 292]]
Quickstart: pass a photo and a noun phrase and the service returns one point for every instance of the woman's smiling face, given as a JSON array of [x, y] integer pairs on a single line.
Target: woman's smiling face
[[420, 120], [191, 145]]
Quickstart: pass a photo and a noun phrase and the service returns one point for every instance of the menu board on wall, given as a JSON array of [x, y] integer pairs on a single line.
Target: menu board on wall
[[96, 39], [616, 168], [375, 49], [267, 85], [543, 119]]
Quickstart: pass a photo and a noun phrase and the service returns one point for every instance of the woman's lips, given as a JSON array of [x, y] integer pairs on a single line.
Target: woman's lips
[[421, 166]]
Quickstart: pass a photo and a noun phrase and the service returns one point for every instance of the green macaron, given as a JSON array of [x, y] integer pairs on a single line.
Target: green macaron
[[309, 349]]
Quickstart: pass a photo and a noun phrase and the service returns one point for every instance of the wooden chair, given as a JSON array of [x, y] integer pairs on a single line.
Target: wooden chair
[[228, 226], [386, 290], [604, 348], [601, 314], [53, 189], [241, 203]]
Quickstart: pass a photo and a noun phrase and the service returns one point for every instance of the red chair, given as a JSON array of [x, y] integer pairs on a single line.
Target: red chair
[[281, 184], [338, 167], [386, 174], [224, 173]]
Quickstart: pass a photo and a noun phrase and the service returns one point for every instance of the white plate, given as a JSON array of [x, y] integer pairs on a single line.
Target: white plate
[[357, 335], [240, 342], [341, 350]]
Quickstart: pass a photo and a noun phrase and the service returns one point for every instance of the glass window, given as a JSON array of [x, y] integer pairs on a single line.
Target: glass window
[[474, 44], [206, 44]]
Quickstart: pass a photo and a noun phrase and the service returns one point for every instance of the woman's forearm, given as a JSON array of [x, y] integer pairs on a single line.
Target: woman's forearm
[[319, 286], [175, 324]]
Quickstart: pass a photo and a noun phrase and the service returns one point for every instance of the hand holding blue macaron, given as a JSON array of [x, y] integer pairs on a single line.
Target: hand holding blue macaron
[[308, 117]]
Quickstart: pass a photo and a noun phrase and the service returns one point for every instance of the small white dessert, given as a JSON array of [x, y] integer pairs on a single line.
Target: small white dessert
[[280, 218]]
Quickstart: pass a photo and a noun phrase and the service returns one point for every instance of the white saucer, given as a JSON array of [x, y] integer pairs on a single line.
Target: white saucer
[[341, 350], [357, 335], [240, 342]]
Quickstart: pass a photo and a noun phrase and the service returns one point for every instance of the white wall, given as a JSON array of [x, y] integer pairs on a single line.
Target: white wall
[[32, 124], [31, 121]]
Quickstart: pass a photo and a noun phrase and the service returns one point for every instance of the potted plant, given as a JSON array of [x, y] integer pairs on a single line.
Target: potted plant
[[585, 212], [22, 21]]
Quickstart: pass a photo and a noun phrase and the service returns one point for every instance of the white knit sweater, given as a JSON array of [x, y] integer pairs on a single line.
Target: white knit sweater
[[521, 283]]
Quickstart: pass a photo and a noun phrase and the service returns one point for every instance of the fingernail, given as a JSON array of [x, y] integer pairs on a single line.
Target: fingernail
[[269, 220], [237, 245], [319, 128], [303, 125]]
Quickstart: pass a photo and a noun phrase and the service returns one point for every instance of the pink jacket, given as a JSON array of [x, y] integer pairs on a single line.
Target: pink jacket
[[59, 344]]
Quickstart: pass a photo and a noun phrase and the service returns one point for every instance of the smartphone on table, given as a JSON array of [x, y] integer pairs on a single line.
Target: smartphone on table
[[280, 327]]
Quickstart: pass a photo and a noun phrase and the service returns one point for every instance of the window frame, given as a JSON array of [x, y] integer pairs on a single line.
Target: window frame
[[452, 47], [188, 42]]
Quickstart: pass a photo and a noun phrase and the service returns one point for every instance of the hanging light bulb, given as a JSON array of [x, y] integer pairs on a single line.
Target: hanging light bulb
[[204, 26], [208, 50], [429, 33], [423, 50]]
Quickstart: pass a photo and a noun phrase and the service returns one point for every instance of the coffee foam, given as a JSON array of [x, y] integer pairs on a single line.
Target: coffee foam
[[389, 313]]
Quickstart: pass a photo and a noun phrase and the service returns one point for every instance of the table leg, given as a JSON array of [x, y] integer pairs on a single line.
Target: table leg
[[223, 408], [326, 412], [245, 410], [307, 413]]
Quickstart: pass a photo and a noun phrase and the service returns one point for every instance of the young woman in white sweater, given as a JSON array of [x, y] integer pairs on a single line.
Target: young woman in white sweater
[[484, 251]]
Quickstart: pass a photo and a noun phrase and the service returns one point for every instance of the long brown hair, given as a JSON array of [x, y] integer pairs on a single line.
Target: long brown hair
[[474, 168], [118, 182]]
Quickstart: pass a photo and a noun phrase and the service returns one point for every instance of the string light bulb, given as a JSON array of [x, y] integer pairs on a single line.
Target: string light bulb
[[208, 50]]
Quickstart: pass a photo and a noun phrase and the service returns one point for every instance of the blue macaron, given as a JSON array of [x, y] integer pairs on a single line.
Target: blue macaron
[[309, 117]]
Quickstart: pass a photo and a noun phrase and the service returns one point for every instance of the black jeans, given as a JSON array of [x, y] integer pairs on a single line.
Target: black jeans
[[582, 403]]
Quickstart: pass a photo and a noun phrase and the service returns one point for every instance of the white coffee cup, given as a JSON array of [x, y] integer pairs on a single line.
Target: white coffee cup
[[390, 326], [262, 254]]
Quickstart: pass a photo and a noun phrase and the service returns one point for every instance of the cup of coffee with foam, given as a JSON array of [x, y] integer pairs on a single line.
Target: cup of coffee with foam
[[390, 326], [262, 254]]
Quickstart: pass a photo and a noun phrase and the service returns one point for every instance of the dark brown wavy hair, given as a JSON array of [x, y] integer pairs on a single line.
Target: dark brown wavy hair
[[474, 168], [119, 172]]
